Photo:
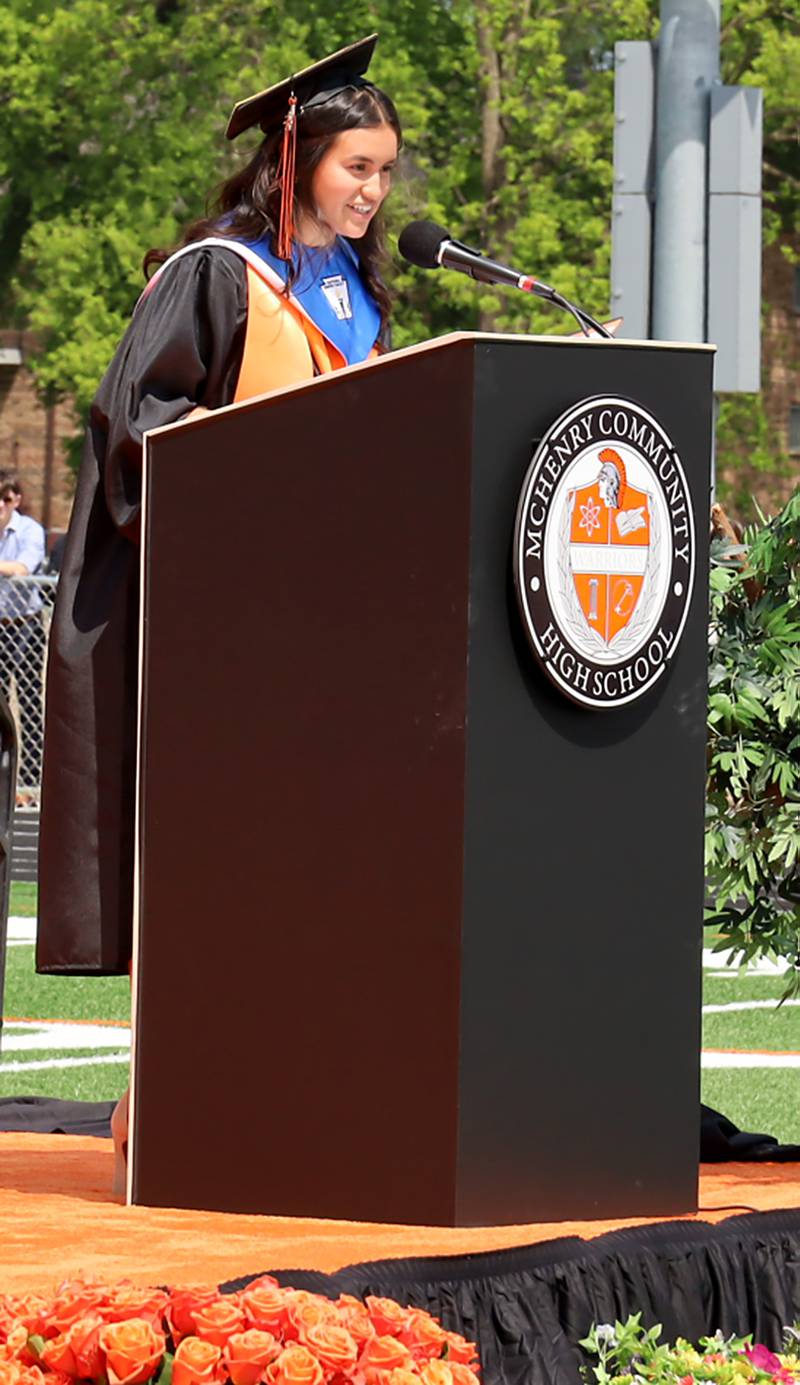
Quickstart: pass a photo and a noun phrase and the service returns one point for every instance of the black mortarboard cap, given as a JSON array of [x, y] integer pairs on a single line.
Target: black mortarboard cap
[[313, 85]]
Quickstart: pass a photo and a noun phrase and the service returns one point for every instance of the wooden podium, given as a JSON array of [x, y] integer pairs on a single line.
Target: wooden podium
[[418, 939]]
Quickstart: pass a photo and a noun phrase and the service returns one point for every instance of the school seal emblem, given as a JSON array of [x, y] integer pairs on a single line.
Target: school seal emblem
[[604, 552]]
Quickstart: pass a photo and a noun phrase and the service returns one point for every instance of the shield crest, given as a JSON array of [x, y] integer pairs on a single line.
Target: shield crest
[[610, 525]]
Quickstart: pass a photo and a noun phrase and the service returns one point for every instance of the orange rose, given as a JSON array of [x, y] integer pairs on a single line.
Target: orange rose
[[30, 1309], [304, 1310], [74, 1299], [8, 1317], [460, 1350], [264, 1305], [133, 1350], [386, 1316], [423, 1335], [14, 1373], [384, 1354], [15, 1347], [462, 1375], [217, 1321], [196, 1363], [401, 1377], [128, 1301], [436, 1373], [57, 1355], [333, 1346], [247, 1354], [184, 1302], [295, 1366], [353, 1315], [83, 1338]]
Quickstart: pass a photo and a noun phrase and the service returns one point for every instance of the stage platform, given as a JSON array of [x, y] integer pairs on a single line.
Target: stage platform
[[57, 1218]]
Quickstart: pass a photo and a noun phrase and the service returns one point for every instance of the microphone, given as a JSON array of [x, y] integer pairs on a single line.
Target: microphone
[[429, 246]]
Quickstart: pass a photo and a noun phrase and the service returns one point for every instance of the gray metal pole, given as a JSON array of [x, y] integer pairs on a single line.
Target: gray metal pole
[[688, 66]]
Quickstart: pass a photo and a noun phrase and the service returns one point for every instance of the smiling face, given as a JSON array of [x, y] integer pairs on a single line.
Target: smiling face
[[349, 184]]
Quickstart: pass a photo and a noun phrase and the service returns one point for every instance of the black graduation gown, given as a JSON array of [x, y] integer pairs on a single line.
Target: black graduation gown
[[183, 348]]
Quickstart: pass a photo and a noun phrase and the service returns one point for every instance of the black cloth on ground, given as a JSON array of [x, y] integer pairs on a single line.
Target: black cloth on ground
[[527, 1308], [720, 1139], [45, 1115]]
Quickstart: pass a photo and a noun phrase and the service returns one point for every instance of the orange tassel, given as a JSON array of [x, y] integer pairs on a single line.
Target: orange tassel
[[286, 179]]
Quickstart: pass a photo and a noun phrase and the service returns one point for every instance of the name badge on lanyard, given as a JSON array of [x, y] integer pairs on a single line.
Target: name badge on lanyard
[[337, 294]]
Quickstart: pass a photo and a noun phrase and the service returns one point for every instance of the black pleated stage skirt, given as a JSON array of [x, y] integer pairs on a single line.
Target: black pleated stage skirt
[[528, 1307]]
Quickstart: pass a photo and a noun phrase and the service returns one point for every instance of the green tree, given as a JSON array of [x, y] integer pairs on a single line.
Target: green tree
[[109, 140], [112, 117], [760, 46]]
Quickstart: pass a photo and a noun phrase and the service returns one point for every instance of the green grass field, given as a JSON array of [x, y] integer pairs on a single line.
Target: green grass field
[[89, 1076], [758, 1098]]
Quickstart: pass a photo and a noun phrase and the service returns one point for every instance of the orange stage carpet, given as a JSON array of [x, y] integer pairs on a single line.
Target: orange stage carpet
[[56, 1218]]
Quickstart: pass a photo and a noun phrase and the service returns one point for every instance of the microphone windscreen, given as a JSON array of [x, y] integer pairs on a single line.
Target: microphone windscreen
[[420, 241]]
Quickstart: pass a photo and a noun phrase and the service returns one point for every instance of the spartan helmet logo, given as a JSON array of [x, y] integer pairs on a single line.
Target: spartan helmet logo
[[612, 478]]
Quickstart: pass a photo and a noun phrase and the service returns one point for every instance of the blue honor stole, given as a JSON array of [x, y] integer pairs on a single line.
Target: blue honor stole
[[329, 288]]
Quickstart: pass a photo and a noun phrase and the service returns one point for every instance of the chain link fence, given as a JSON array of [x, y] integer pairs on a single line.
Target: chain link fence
[[26, 607]]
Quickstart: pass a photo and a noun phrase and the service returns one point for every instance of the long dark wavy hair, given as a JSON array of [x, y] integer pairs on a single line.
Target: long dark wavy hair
[[247, 206]]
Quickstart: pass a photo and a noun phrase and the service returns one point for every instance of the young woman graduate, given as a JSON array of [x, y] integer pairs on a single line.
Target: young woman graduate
[[280, 284]]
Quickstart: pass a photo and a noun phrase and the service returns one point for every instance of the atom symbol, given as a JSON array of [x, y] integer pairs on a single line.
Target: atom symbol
[[591, 517]]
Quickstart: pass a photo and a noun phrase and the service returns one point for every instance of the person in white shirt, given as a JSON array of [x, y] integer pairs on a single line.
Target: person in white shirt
[[22, 639]]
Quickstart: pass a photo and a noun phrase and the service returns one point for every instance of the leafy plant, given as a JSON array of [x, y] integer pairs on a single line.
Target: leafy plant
[[629, 1354], [753, 790]]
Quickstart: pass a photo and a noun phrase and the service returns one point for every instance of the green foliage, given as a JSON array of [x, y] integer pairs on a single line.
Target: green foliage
[[760, 47], [111, 120], [753, 793], [629, 1354], [622, 1350], [747, 442]]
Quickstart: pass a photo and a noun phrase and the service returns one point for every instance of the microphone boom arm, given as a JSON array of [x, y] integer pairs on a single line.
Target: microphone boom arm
[[454, 254]]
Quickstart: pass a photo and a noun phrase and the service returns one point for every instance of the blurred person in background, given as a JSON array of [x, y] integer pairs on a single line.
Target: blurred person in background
[[22, 638]]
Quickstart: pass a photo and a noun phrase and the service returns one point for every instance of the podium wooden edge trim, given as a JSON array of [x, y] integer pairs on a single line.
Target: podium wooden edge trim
[[137, 903]]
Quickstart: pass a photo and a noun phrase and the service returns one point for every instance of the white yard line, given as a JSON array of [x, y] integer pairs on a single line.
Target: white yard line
[[21, 931], [44, 1064], [26, 1036], [749, 1060], [727, 964], [746, 1005]]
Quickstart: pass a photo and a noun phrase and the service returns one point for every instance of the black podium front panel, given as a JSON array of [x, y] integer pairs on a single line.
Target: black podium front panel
[[419, 939], [583, 853]]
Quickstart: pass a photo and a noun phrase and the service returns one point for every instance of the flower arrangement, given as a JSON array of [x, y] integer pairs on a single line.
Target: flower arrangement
[[189, 1335], [628, 1354]]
